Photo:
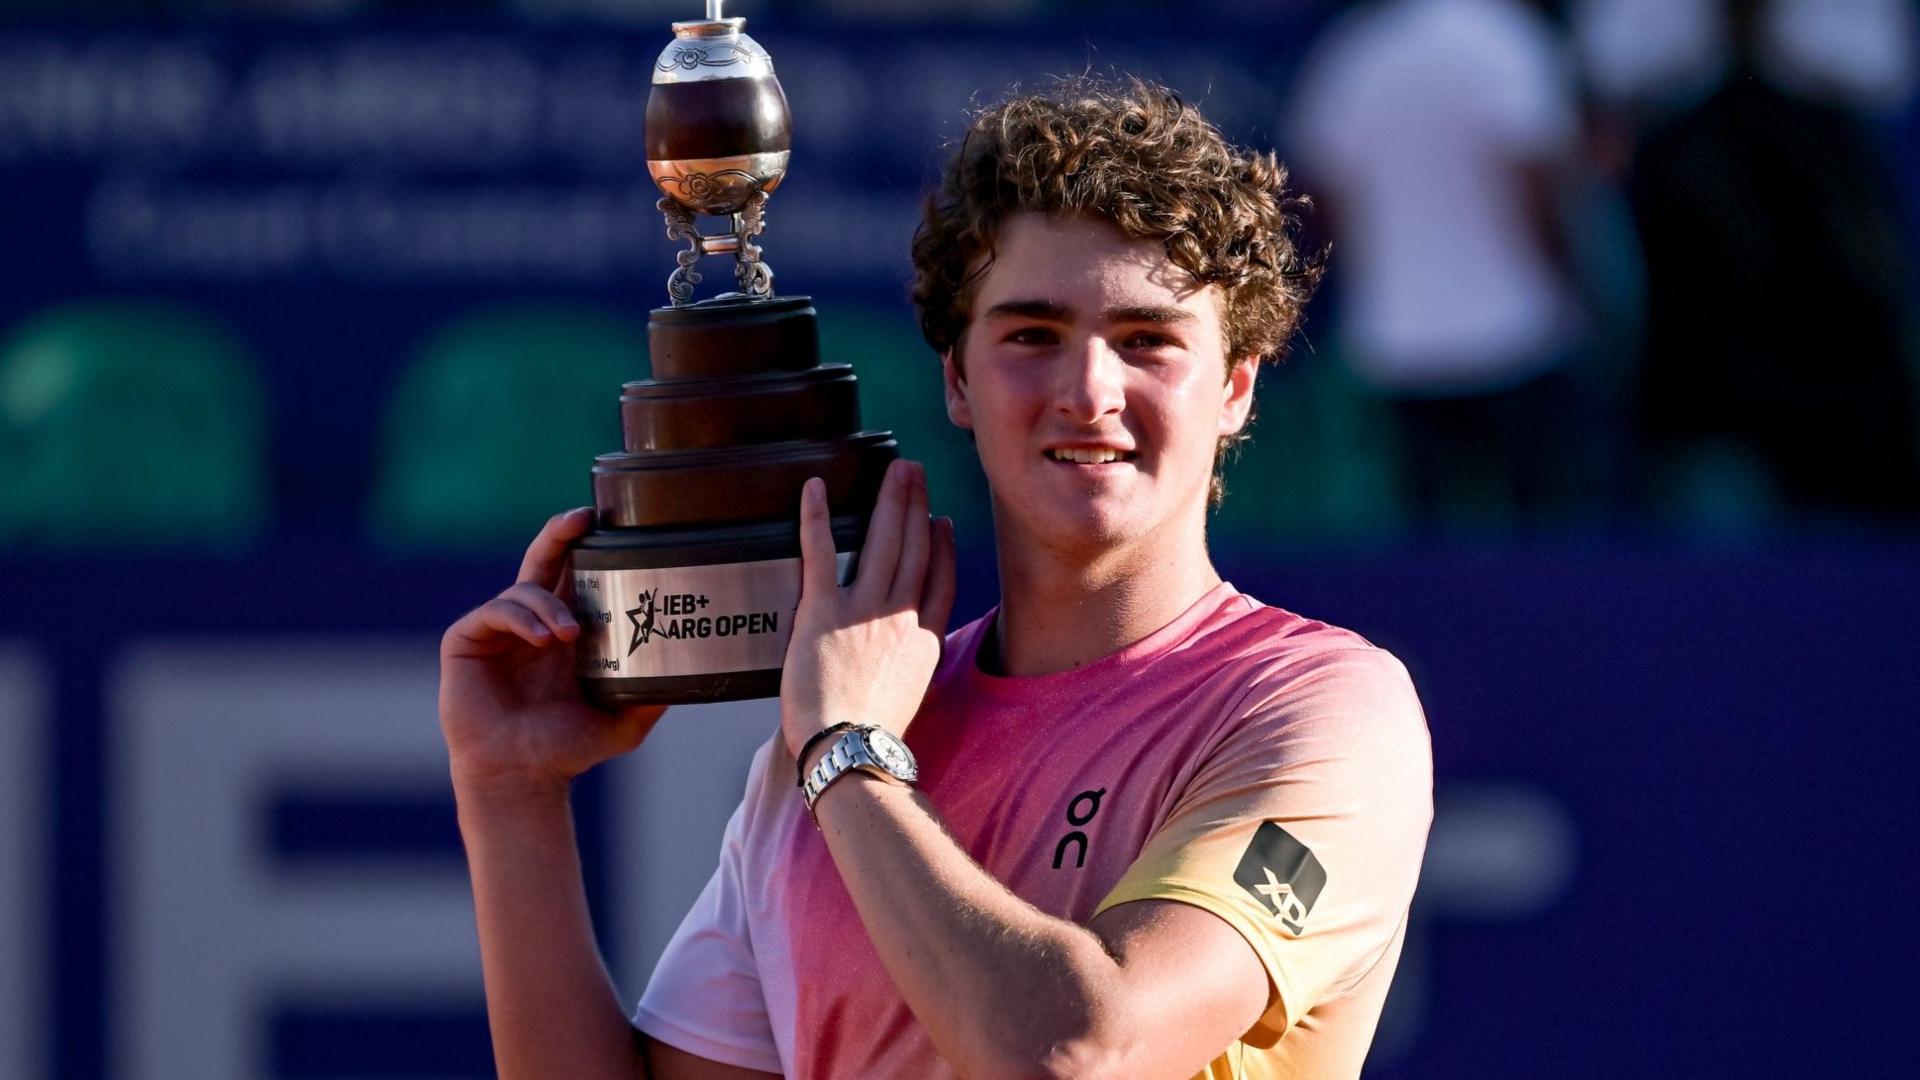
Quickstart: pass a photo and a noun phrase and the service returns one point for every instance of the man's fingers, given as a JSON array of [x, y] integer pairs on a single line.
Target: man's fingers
[[548, 552], [936, 598], [482, 629], [817, 575], [910, 576], [550, 609], [880, 555]]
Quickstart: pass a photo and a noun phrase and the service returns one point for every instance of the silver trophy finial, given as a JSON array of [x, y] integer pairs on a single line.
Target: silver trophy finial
[[718, 138]]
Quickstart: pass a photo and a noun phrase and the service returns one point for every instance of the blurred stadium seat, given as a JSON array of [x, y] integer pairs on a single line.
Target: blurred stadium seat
[[129, 423], [495, 425], [1320, 466]]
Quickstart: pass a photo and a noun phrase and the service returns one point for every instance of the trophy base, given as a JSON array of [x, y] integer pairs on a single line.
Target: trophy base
[[683, 689], [678, 616]]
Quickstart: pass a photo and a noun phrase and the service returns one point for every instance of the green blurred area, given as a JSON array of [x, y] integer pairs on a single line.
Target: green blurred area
[[131, 425], [495, 424], [1317, 466]]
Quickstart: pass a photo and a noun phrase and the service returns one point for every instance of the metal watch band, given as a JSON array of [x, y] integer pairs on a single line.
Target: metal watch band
[[800, 761], [847, 754], [855, 750]]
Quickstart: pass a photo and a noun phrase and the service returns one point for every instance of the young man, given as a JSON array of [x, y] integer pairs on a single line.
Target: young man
[[1158, 828]]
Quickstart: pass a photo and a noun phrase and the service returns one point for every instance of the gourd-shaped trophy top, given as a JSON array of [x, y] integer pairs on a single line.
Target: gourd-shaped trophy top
[[718, 137]]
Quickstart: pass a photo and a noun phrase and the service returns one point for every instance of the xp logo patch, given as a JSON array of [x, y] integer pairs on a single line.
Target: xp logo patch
[[1282, 874]]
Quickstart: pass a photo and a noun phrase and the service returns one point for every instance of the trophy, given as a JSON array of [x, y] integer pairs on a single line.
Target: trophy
[[686, 586]]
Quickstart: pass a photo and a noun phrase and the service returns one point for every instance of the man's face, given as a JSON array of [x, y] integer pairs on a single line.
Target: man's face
[[1096, 385]]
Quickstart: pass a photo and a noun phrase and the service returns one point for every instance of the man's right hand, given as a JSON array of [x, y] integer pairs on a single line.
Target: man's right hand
[[515, 722]]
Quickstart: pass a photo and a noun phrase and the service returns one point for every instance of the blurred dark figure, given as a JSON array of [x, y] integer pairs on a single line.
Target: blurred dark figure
[[1778, 300], [1641, 62], [1438, 136]]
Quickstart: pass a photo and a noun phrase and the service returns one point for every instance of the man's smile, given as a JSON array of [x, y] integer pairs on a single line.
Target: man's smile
[[1090, 455]]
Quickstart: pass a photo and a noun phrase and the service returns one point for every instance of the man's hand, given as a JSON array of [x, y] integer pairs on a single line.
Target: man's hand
[[510, 703], [865, 653]]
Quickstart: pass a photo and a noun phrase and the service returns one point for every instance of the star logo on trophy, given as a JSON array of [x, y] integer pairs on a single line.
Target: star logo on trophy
[[641, 616]]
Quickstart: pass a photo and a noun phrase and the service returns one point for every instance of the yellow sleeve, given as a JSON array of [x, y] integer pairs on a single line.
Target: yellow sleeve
[[1303, 829]]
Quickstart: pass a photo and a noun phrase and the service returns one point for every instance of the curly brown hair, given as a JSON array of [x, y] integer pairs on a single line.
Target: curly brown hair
[[1134, 154]]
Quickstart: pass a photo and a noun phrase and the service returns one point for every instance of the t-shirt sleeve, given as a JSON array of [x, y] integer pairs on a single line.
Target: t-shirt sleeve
[[705, 995], [1303, 828]]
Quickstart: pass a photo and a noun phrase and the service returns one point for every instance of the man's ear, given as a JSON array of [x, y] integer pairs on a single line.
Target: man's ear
[[1237, 405], [956, 385]]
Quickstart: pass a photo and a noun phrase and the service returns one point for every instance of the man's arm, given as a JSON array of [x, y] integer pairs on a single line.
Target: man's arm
[[1150, 989], [1154, 988], [550, 1004], [517, 734], [551, 1007]]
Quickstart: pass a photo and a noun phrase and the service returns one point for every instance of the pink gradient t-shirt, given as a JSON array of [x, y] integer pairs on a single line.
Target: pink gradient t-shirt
[[1267, 768]]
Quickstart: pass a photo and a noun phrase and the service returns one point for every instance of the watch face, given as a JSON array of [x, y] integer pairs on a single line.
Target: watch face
[[892, 754]]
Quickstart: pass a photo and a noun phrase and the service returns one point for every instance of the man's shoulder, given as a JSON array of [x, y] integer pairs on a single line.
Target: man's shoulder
[[1292, 669], [1266, 634]]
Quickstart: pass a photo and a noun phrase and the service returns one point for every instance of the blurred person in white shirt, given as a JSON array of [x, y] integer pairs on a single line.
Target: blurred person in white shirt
[[1437, 134]]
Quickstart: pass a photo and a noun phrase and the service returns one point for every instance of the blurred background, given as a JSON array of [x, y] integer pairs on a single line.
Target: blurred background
[[313, 310]]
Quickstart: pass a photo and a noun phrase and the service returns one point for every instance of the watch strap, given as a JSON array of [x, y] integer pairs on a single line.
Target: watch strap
[[806, 749], [853, 751], [846, 755]]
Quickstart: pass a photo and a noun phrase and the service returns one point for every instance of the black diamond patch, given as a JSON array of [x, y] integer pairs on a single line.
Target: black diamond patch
[[1282, 874]]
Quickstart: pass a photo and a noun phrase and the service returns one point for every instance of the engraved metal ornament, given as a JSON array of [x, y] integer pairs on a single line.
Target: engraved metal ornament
[[750, 270], [710, 49], [680, 226], [720, 185]]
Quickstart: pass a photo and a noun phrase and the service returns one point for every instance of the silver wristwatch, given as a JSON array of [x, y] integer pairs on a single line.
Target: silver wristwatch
[[874, 749]]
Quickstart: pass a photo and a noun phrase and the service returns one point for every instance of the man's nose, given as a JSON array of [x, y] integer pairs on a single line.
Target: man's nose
[[1091, 383]]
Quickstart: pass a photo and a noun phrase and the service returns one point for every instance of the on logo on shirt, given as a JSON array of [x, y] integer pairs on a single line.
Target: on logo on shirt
[[1091, 801]]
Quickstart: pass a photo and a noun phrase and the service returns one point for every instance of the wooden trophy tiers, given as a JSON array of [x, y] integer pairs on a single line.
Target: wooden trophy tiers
[[703, 501], [738, 414]]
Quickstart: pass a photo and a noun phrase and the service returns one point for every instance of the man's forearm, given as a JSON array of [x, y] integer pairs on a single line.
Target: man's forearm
[[1002, 988], [551, 1006]]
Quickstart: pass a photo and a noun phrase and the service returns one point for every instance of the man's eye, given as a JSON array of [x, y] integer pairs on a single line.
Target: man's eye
[[1032, 335], [1148, 339]]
